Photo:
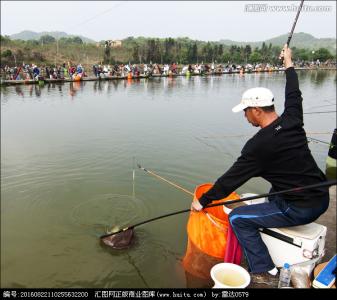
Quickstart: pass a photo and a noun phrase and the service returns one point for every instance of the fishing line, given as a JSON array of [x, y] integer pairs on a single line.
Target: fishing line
[[208, 145], [133, 169], [133, 177], [250, 135], [329, 101], [323, 142], [75, 212], [100, 14], [166, 180], [319, 141], [319, 112], [319, 106]]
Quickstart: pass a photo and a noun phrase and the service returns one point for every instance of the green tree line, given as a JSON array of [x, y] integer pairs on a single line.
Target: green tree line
[[50, 51]]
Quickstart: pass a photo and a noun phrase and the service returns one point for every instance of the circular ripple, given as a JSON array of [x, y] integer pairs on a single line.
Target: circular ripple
[[109, 212]]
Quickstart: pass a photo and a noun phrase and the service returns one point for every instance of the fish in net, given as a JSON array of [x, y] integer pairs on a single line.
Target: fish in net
[[120, 239]]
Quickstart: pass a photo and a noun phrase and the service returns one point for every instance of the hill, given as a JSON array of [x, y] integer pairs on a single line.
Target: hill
[[145, 50], [299, 40], [32, 35]]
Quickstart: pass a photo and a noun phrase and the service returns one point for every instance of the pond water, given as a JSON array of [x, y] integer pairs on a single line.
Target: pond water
[[67, 157]]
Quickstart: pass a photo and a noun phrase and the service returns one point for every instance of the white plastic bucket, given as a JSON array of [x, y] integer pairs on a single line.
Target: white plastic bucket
[[228, 210], [229, 276]]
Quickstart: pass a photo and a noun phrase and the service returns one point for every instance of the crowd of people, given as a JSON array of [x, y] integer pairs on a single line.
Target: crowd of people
[[33, 72], [76, 72], [174, 69]]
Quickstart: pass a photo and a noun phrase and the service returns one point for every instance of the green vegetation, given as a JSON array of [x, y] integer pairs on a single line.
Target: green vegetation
[[49, 50]]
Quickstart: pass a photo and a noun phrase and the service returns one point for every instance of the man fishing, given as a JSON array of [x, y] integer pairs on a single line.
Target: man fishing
[[278, 153]]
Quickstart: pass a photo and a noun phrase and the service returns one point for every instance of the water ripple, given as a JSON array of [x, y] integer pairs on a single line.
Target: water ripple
[[109, 211]]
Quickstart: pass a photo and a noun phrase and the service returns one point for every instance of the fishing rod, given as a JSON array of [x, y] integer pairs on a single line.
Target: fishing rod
[[293, 28], [162, 178], [297, 189]]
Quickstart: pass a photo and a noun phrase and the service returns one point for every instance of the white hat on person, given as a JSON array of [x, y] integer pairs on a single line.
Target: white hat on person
[[255, 97]]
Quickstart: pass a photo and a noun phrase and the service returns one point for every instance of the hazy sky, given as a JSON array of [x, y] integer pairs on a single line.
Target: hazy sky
[[202, 20]]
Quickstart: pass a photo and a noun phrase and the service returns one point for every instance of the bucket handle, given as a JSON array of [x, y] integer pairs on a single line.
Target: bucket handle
[[215, 223]]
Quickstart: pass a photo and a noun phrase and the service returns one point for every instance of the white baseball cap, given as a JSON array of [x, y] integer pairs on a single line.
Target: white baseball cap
[[255, 97]]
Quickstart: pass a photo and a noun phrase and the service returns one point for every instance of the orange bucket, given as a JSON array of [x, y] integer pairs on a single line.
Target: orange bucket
[[208, 230]]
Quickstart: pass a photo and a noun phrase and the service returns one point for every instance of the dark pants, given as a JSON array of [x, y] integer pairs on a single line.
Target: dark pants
[[246, 221]]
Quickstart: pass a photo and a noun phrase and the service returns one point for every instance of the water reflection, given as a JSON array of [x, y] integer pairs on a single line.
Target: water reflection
[[114, 83], [97, 86], [318, 77], [74, 87], [19, 91], [37, 90], [166, 85], [109, 85]]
